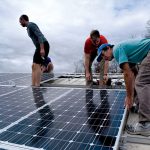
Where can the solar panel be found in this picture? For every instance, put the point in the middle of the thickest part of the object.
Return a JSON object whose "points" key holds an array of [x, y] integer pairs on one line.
{"points": [[4, 90], [62, 118], [21, 79], [18, 104], [10, 76]]}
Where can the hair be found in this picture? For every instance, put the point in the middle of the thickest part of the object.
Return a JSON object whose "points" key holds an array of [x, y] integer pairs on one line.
{"points": [[105, 48], [95, 33], [25, 17]]}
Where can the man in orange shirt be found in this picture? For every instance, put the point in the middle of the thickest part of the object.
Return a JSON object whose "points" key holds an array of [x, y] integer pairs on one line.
{"points": [[90, 53]]}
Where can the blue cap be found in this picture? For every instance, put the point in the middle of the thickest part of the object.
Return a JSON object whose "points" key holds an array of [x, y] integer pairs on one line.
{"points": [[99, 51]]}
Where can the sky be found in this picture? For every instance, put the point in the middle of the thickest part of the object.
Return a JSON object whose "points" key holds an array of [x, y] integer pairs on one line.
{"points": [[66, 24]]}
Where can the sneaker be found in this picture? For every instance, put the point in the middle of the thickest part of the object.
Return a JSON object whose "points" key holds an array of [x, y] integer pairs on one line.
{"points": [[134, 109], [139, 129]]}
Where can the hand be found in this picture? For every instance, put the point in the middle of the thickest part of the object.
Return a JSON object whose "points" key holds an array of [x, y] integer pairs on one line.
{"points": [[88, 76], [105, 79], [128, 102], [101, 82], [43, 68], [42, 52]]}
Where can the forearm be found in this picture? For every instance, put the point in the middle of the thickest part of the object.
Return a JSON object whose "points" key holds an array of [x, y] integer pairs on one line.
{"points": [[87, 63], [129, 82], [106, 66]]}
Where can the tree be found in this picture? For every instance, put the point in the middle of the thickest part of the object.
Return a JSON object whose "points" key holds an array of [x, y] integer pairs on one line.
{"points": [[79, 67]]}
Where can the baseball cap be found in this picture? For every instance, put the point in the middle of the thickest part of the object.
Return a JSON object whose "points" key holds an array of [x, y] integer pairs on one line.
{"points": [[99, 51]]}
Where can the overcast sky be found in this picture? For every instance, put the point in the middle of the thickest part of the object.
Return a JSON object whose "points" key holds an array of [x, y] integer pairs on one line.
{"points": [[66, 24]]}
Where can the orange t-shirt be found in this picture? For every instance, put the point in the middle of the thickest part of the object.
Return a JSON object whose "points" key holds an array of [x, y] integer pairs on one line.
{"points": [[90, 48]]}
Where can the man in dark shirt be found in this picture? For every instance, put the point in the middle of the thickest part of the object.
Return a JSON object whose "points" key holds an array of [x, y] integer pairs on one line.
{"points": [[42, 48]]}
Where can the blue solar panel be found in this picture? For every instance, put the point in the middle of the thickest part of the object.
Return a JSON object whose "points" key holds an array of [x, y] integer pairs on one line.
{"points": [[21, 79], [20, 103], [59, 118], [9, 89]]}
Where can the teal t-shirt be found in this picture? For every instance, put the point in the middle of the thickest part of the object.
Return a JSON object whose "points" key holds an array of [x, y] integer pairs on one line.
{"points": [[133, 51]]}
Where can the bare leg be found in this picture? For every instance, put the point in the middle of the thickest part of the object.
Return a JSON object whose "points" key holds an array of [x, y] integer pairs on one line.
{"points": [[38, 74], [33, 74]]}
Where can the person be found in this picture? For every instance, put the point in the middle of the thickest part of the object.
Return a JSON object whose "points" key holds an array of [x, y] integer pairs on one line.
{"points": [[42, 48], [128, 54], [90, 52], [48, 66]]}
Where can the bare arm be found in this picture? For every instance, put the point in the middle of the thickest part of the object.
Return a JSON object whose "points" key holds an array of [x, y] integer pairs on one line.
{"points": [[106, 66], [129, 82], [103, 72], [87, 66]]}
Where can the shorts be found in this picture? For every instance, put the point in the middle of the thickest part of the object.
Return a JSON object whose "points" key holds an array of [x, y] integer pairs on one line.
{"points": [[37, 56]]}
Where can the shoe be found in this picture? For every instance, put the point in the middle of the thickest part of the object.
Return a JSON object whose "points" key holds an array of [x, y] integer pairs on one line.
{"points": [[134, 109], [139, 129]]}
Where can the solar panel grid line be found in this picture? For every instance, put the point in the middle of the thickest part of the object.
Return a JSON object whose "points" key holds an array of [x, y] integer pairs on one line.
{"points": [[81, 127], [110, 109], [15, 78], [61, 129], [27, 138], [18, 82], [64, 141], [56, 118], [18, 86], [102, 125], [112, 106], [12, 92], [22, 118], [11, 146], [4, 85], [15, 106]]}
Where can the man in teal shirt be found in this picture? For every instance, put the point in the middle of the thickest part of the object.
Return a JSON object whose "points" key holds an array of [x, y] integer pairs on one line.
{"points": [[128, 54]]}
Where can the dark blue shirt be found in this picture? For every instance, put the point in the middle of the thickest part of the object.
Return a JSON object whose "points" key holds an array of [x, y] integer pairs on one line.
{"points": [[47, 61], [35, 34]]}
